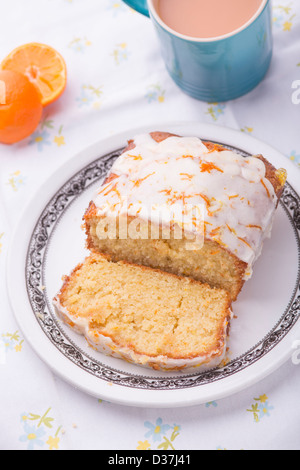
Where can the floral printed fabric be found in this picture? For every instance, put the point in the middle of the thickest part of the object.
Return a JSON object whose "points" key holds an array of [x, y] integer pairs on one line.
{"points": [[117, 80]]}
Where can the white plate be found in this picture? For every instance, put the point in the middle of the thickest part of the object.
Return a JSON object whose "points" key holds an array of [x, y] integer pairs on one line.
{"points": [[49, 242]]}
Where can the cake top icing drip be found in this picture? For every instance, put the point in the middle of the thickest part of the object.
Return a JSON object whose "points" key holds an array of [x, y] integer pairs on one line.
{"points": [[181, 174]]}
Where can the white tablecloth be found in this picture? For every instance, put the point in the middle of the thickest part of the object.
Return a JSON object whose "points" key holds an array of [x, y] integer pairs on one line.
{"points": [[117, 81]]}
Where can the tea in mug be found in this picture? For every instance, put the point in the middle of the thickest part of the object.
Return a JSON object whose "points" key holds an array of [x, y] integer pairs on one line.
{"points": [[207, 18]]}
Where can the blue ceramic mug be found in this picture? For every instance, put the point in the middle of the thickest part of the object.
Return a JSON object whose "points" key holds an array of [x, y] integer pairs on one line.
{"points": [[215, 69]]}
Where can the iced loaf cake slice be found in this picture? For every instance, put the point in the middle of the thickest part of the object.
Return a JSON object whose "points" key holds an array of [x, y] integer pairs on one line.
{"points": [[145, 316], [161, 180]]}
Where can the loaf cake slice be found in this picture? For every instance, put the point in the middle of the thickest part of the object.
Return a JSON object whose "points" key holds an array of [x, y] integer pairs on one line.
{"points": [[145, 316], [159, 181]]}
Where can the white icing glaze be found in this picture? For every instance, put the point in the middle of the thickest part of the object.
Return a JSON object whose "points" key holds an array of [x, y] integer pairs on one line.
{"points": [[107, 346], [237, 200]]}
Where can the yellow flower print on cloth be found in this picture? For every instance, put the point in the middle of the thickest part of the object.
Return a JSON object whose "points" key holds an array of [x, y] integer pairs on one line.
{"points": [[10, 342], [120, 53], [295, 157], [283, 16], [143, 445], [47, 134], [215, 110], [36, 431], [59, 139], [90, 96], [16, 180], [155, 93], [162, 435], [116, 7], [261, 408], [247, 129], [80, 45]]}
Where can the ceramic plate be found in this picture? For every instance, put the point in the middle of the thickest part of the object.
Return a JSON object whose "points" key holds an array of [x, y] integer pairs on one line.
{"points": [[49, 242]]}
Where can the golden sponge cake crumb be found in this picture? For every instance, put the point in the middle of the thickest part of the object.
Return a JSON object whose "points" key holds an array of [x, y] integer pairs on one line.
{"points": [[146, 316]]}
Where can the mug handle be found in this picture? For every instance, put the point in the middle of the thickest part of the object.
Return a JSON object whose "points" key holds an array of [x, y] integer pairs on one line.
{"points": [[138, 5]]}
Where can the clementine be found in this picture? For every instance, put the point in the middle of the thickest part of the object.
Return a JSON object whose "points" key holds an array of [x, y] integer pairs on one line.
{"points": [[20, 107], [44, 67]]}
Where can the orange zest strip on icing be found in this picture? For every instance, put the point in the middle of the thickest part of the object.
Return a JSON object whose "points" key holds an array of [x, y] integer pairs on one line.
{"points": [[179, 197], [207, 202], [231, 229], [209, 166], [139, 181], [244, 241], [217, 210], [264, 185], [194, 220], [166, 191], [135, 157], [187, 176], [206, 199], [105, 187], [186, 156], [233, 197], [117, 192], [175, 196], [254, 226], [215, 231], [113, 188]]}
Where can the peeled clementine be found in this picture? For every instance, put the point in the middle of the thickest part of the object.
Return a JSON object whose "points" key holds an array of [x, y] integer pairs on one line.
{"points": [[44, 67], [20, 107]]}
